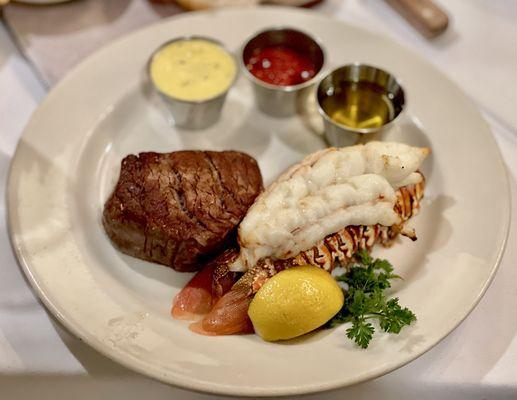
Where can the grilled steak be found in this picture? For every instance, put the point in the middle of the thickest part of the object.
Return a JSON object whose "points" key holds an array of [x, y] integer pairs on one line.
{"points": [[178, 208]]}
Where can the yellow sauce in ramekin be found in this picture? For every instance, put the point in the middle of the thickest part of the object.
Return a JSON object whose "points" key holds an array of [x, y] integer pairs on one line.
{"points": [[192, 69]]}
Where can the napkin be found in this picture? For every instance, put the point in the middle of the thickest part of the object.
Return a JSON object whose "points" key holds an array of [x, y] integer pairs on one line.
{"points": [[56, 37]]}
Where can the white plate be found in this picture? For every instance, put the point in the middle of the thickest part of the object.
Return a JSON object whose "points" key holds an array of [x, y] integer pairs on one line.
{"points": [[68, 160]]}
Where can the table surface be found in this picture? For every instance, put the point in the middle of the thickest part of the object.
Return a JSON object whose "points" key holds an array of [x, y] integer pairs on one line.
{"points": [[477, 361]]}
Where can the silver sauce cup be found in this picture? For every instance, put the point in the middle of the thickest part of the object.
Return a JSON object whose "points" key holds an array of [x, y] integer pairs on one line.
{"points": [[192, 114], [276, 100], [340, 135]]}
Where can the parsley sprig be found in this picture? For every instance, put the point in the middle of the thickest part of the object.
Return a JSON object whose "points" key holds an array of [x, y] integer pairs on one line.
{"points": [[365, 300]]}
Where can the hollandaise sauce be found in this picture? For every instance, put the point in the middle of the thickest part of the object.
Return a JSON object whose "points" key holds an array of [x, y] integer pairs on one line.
{"points": [[193, 69]]}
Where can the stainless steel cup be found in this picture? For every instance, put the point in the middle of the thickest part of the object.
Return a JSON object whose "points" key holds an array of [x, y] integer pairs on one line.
{"points": [[189, 114], [342, 135], [275, 100]]}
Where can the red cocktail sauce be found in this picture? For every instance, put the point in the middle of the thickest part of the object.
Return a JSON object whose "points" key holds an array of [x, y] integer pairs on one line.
{"points": [[281, 66]]}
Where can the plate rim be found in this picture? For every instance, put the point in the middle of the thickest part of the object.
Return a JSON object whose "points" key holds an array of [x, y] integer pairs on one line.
{"points": [[196, 384]]}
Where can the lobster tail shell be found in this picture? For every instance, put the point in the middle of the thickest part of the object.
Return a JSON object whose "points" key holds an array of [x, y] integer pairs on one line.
{"points": [[203, 291]]}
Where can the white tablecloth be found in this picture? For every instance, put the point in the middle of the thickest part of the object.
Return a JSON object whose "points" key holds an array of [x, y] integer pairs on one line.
{"points": [[40, 360]]}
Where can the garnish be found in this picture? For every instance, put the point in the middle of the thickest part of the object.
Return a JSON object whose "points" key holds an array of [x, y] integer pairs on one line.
{"points": [[365, 300]]}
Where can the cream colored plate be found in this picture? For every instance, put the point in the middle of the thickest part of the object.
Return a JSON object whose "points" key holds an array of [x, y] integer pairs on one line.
{"points": [[68, 160]]}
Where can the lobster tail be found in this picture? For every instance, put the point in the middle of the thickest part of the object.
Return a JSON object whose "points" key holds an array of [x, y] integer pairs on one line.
{"points": [[230, 313]]}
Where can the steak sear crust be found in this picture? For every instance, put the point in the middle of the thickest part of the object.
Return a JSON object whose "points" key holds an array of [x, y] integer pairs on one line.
{"points": [[180, 208]]}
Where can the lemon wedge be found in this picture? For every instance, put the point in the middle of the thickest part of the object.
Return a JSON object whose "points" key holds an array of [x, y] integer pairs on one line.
{"points": [[294, 302]]}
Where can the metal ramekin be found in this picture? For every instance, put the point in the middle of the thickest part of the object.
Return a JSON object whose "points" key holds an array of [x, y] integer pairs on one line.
{"points": [[341, 135], [192, 114], [282, 101]]}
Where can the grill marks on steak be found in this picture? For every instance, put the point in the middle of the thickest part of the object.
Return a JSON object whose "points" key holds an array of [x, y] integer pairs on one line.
{"points": [[177, 208]]}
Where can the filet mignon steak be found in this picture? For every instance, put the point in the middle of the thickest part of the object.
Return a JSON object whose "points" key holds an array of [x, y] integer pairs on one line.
{"points": [[179, 208]]}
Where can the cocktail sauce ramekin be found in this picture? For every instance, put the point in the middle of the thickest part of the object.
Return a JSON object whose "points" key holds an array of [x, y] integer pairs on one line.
{"points": [[276, 100]]}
